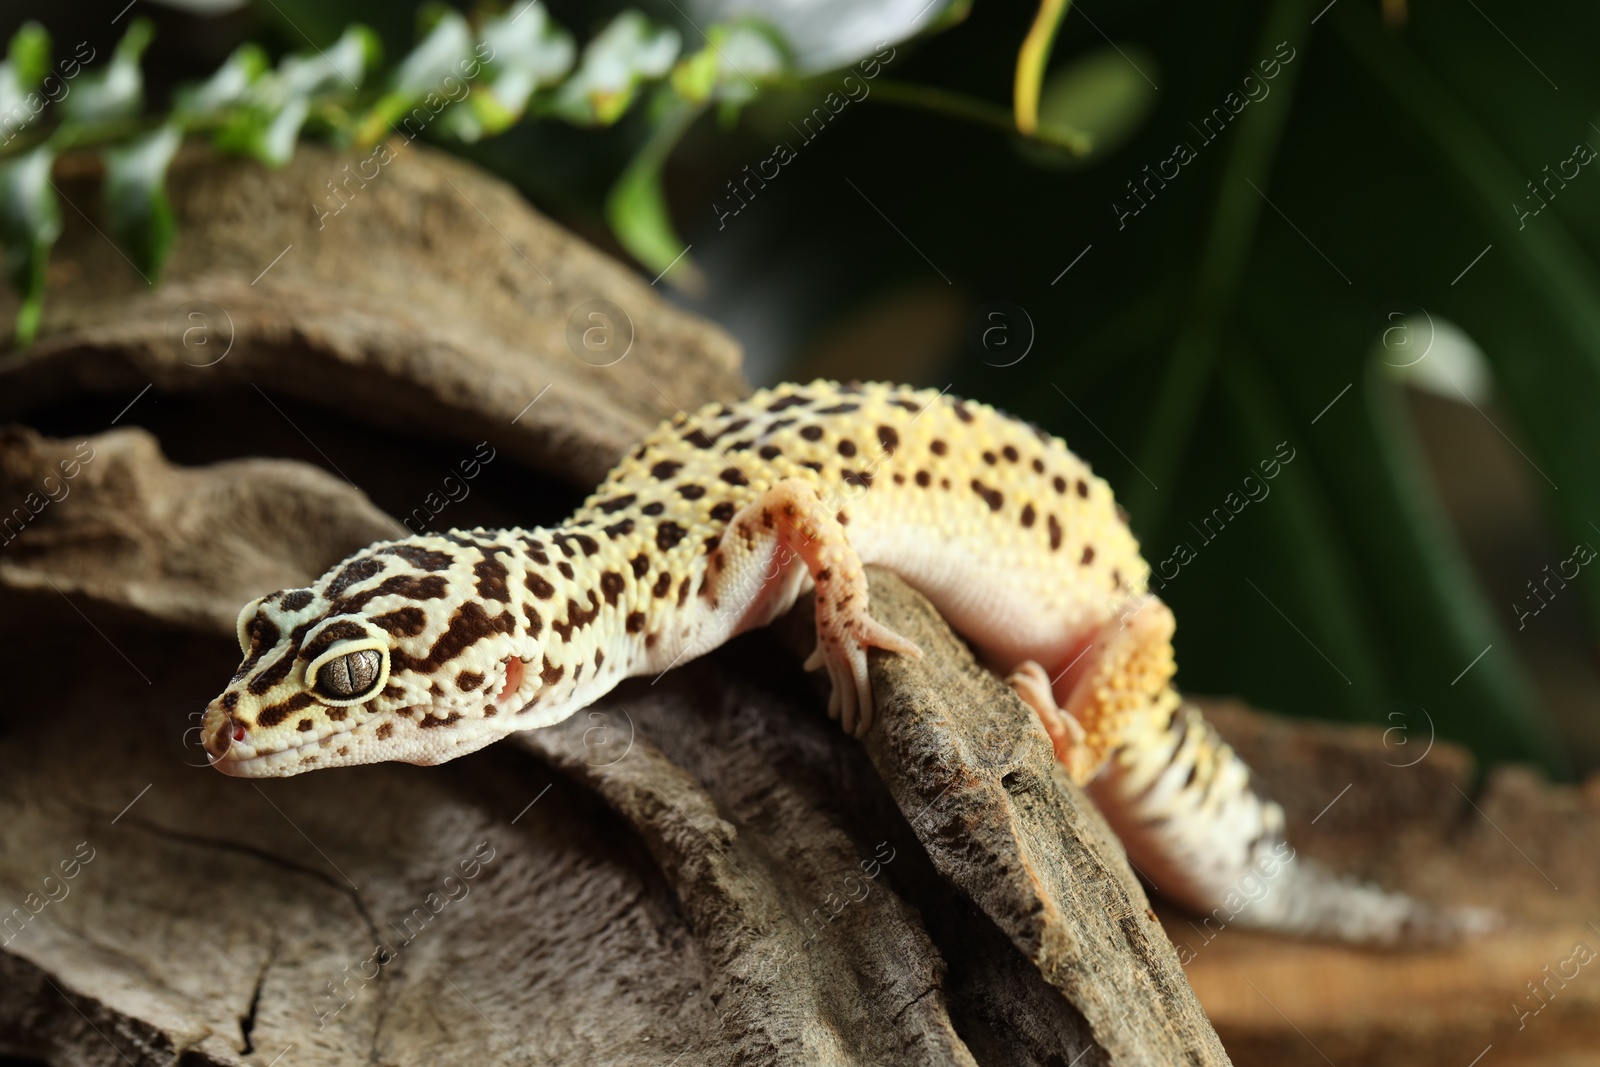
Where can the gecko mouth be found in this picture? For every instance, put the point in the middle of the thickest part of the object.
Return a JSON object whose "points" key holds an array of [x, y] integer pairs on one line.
{"points": [[241, 760]]}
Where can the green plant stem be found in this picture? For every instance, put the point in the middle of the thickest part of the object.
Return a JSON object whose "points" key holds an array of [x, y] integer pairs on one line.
{"points": [[1032, 58], [951, 105]]}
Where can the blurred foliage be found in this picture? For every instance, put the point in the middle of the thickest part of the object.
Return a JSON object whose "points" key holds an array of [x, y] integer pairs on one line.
{"points": [[1222, 213]]}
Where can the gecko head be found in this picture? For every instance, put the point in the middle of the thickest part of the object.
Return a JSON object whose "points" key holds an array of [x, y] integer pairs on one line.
{"points": [[406, 651]]}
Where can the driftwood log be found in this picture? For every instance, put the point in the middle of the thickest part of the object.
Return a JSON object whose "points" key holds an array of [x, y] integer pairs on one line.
{"points": [[701, 869]]}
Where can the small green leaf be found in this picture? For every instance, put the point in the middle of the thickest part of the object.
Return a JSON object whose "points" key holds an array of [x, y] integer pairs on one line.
{"points": [[27, 60], [737, 58], [276, 105], [637, 209], [136, 197], [524, 52], [30, 222], [438, 68], [117, 90], [1102, 96], [527, 52], [629, 50], [228, 85]]}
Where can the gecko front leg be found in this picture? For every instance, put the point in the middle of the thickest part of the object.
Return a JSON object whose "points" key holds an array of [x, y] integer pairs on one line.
{"points": [[753, 567]]}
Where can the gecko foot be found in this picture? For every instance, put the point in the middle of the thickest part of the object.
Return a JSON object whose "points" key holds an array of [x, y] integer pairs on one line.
{"points": [[842, 642], [1031, 682]]}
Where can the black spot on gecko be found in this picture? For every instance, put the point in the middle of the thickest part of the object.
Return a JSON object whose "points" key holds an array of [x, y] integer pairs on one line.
{"points": [[421, 558], [551, 673], [861, 478], [668, 534], [306, 726], [847, 447], [663, 584], [635, 622], [469, 625], [428, 587], [617, 503], [1055, 533], [770, 452], [938, 447], [406, 622], [699, 439], [295, 600], [619, 529], [1087, 557], [1083, 488], [990, 458], [277, 713], [723, 512], [359, 571], [1010, 453], [794, 400], [612, 585], [1028, 515], [691, 491], [992, 497], [1060, 483], [535, 622], [1038, 466], [641, 565], [539, 586], [577, 618], [665, 469], [428, 722], [655, 508], [901, 402], [888, 439], [467, 681], [565, 568], [683, 592], [813, 465], [811, 433], [491, 575], [337, 714], [839, 409], [924, 479], [734, 476], [331, 635], [961, 411]]}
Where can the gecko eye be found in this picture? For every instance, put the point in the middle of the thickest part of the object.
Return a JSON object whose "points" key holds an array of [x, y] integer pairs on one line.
{"points": [[351, 676], [350, 672]]}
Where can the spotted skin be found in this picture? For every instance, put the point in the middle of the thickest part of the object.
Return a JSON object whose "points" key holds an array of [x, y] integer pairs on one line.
{"points": [[428, 648]]}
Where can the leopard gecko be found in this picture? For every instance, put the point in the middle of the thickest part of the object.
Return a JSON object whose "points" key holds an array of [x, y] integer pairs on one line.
{"points": [[427, 648]]}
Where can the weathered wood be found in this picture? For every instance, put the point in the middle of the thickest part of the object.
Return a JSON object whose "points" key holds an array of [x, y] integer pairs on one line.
{"points": [[702, 869]]}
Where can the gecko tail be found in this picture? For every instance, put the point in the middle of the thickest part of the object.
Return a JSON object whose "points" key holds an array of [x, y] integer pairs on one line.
{"points": [[1307, 899]]}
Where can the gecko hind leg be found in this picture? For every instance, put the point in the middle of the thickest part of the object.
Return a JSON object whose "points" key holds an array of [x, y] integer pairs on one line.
{"points": [[787, 521]]}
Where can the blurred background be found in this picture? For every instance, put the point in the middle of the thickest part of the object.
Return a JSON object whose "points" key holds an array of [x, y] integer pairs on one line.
{"points": [[1312, 284]]}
